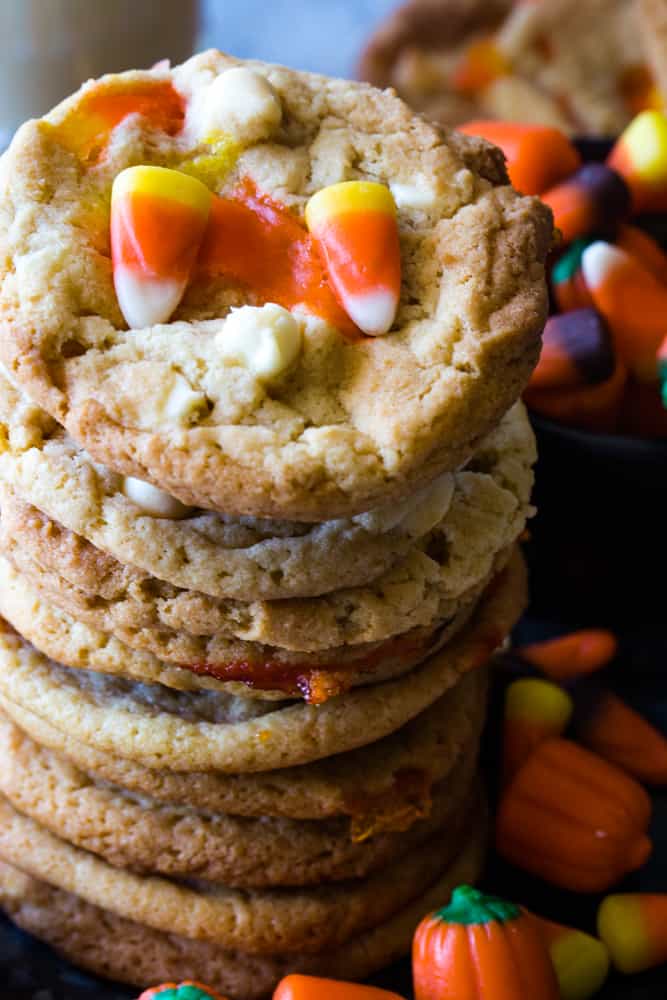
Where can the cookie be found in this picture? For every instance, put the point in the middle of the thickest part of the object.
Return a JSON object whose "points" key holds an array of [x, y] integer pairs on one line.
{"points": [[238, 558], [350, 421], [580, 67], [265, 672], [149, 837], [487, 512], [126, 951], [265, 922], [193, 731], [386, 785], [653, 26]]}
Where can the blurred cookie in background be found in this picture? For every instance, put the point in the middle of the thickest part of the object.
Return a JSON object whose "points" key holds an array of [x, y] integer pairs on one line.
{"points": [[579, 65]]}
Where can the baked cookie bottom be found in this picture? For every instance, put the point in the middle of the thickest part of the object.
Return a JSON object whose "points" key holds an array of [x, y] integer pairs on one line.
{"points": [[123, 950]]}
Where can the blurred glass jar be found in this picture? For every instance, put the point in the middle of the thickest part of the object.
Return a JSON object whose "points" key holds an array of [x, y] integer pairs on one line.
{"points": [[49, 47]]}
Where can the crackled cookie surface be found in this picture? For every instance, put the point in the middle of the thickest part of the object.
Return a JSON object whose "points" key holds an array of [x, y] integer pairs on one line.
{"points": [[581, 67], [345, 301]]}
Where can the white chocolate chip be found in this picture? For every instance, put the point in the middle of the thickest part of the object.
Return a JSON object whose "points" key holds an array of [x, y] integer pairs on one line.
{"points": [[415, 196], [416, 515], [147, 394], [432, 505], [153, 501], [241, 103], [266, 340]]}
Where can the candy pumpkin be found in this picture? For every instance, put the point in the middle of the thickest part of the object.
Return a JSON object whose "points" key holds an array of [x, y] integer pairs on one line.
{"points": [[188, 990], [480, 948], [573, 819]]}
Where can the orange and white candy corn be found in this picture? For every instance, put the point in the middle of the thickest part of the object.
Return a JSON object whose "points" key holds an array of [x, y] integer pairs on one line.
{"points": [[640, 157], [633, 302], [355, 225], [158, 219]]}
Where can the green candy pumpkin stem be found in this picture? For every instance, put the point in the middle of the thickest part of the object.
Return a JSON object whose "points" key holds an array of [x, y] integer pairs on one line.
{"points": [[470, 906]]}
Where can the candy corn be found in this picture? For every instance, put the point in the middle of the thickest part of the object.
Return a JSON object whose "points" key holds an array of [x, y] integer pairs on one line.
{"points": [[158, 220], [535, 710], [573, 819], [576, 350], [581, 961], [634, 928], [640, 157], [188, 990], [633, 302], [355, 225], [571, 655], [537, 156], [567, 282], [619, 734], [644, 248], [481, 63], [592, 407], [594, 199], [311, 988]]}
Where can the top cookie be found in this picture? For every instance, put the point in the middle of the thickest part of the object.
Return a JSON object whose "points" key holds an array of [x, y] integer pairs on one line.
{"points": [[290, 410], [578, 65]]}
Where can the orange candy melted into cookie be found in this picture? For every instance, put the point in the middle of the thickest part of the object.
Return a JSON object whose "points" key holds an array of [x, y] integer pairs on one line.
{"points": [[86, 131], [255, 242]]}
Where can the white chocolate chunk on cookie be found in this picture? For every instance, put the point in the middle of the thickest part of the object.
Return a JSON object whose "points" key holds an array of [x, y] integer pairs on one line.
{"points": [[153, 501], [416, 515], [432, 504], [266, 340], [241, 103], [417, 195]]}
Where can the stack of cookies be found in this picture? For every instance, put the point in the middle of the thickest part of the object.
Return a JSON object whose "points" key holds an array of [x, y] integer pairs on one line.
{"points": [[262, 476]]}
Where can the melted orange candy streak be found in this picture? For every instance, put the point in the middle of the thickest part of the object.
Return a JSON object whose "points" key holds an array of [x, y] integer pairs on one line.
{"points": [[86, 131], [255, 242]]}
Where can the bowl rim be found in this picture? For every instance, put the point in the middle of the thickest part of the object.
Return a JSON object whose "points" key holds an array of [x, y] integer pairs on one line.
{"points": [[649, 447]]}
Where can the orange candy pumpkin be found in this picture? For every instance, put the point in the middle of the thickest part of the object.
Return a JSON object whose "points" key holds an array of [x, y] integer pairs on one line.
{"points": [[573, 819], [480, 948]]}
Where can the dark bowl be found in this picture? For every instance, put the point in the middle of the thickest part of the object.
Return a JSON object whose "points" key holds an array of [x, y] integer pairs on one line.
{"points": [[599, 542]]}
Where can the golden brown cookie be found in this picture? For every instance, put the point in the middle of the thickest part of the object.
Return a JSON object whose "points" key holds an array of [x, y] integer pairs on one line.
{"points": [[193, 731], [264, 922], [386, 785], [149, 837], [355, 421], [126, 951], [441, 573]]}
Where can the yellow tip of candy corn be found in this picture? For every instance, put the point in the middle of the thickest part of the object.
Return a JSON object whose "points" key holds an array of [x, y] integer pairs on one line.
{"points": [[535, 698], [348, 196], [158, 218], [645, 141], [623, 927], [162, 182], [581, 963]]}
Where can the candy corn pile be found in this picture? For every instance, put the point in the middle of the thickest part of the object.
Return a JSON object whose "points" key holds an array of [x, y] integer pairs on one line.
{"points": [[605, 344]]}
